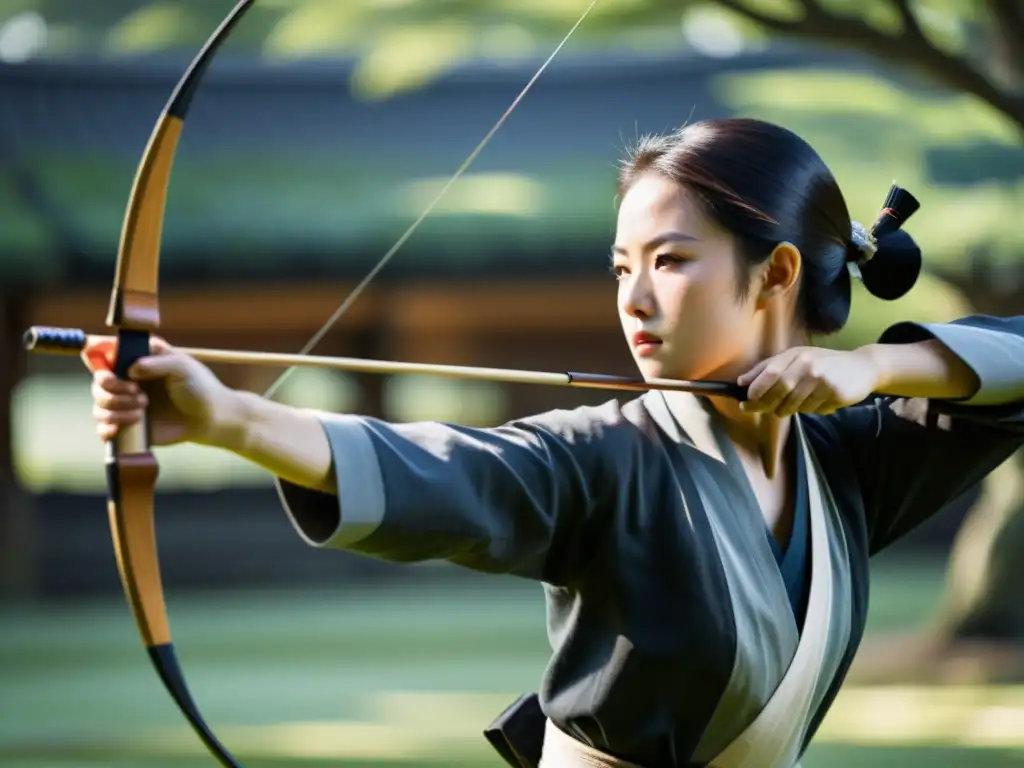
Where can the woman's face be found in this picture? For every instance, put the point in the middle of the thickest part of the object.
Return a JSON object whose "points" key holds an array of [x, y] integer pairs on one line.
{"points": [[678, 298]]}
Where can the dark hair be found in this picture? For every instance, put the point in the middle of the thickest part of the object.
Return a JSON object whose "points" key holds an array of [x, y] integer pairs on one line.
{"points": [[766, 185]]}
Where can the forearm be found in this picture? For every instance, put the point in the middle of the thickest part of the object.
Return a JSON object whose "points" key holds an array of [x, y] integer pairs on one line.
{"points": [[925, 369], [288, 442]]}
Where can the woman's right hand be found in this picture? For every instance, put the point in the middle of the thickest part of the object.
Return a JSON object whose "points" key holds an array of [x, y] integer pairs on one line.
{"points": [[186, 402]]}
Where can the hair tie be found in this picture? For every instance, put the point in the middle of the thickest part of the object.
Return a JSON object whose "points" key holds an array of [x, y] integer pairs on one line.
{"points": [[862, 247], [865, 244]]}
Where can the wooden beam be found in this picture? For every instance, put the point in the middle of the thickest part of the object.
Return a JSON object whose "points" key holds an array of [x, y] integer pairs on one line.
{"points": [[509, 305], [448, 307], [251, 309]]}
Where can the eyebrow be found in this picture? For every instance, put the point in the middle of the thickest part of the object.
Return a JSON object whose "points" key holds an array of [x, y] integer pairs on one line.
{"points": [[664, 237]]}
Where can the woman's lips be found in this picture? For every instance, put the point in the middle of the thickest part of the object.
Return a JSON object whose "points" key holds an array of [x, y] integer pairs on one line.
{"points": [[645, 343]]}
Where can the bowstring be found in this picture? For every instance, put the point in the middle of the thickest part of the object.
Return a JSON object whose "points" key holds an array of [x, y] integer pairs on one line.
{"points": [[350, 299]]}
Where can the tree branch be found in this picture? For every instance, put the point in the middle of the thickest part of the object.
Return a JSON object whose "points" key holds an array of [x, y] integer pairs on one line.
{"points": [[1008, 31], [911, 27], [908, 49]]}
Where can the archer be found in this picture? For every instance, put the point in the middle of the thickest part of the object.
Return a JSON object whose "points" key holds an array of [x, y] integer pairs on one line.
{"points": [[705, 562]]}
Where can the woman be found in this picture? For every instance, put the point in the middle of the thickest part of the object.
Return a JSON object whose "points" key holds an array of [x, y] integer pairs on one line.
{"points": [[705, 563]]}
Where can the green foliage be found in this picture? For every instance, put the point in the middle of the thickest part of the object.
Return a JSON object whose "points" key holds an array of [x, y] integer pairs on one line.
{"points": [[401, 44]]}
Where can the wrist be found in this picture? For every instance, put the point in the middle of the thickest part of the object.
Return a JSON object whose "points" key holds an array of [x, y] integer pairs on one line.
{"points": [[232, 421], [877, 358], [921, 369]]}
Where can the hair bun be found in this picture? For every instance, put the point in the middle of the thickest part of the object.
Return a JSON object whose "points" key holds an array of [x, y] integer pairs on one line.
{"points": [[888, 259]]}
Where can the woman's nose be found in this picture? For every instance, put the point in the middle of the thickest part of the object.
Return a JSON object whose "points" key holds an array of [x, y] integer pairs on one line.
{"points": [[638, 300]]}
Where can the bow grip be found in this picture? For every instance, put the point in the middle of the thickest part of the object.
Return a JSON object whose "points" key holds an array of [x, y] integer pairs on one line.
{"points": [[131, 346]]}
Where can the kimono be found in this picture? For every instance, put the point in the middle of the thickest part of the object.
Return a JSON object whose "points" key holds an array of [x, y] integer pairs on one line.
{"points": [[673, 615]]}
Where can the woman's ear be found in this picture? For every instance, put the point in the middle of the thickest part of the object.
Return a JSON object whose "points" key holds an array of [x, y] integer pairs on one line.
{"points": [[781, 272]]}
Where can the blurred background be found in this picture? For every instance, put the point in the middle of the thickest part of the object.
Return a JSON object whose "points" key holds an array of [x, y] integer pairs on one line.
{"points": [[322, 131]]}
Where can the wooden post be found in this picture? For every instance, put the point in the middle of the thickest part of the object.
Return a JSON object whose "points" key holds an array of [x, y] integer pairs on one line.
{"points": [[18, 560]]}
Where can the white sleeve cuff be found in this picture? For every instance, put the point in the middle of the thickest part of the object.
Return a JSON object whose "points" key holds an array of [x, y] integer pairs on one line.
{"points": [[996, 358], [337, 522]]}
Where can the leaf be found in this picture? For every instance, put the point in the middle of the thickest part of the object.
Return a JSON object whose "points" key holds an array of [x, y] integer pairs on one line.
{"points": [[403, 58], [313, 28], [150, 28]]}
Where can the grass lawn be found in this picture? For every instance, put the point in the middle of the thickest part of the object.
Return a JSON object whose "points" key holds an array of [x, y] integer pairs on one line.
{"points": [[396, 677]]}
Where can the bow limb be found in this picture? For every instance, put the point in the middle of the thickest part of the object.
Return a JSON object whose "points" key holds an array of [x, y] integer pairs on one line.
{"points": [[134, 314]]}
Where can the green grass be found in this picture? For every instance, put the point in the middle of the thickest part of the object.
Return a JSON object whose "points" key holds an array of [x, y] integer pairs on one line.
{"points": [[393, 677]]}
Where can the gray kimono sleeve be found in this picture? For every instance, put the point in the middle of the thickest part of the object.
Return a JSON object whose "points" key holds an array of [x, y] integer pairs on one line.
{"points": [[912, 458], [524, 498]]}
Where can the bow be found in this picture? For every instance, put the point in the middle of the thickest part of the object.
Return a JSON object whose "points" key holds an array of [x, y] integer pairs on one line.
{"points": [[134, 314]]}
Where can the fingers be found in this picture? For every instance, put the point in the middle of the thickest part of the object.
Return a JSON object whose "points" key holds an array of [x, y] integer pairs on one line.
{"points": [[820, 401], [753, 373], [786, 384], [164, 364], [774, 379], [797, 398], [158, 346], [116, 403], [109, 423], [110, 392], [108, 382]]}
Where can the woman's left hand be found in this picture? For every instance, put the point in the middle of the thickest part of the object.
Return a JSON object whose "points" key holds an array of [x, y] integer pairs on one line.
{"points": [[808, 380]]}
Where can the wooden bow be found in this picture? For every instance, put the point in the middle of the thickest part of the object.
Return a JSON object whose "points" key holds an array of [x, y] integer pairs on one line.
{"points": [[134, 315]]}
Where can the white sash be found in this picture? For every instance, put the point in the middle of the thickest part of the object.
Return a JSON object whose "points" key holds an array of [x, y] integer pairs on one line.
{"points": [[774, 738], [563, 751]]}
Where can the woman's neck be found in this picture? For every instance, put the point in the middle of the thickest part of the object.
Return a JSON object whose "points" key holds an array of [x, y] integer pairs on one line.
{"points": [[758, 434]]}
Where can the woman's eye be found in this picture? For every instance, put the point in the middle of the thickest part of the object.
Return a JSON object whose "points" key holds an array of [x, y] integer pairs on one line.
{"points": [[617, 271], [666, 260]]}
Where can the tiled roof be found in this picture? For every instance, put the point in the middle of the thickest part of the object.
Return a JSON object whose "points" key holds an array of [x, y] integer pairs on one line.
{"points": [[280, 169]]}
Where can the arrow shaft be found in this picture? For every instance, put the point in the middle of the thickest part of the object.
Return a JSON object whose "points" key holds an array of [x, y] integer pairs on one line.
{"points": [[63, 341]]}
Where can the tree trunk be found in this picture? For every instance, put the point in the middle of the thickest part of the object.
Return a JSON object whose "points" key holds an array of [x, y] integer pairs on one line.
{"points": [[17, 551], [985, 576]]}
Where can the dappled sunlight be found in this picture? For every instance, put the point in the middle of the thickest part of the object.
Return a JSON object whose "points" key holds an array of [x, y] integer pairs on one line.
{"points": [[56, 447], [406, 674], [151, 27], [931, 300], [833, 90], [431, 725], [317, 28], [404, 57], [872, 132], [508, 194], [433, 398], [968, 716]]}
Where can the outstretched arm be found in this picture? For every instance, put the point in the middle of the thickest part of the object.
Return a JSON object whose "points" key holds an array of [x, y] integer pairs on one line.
{"points": [[525, 498]]}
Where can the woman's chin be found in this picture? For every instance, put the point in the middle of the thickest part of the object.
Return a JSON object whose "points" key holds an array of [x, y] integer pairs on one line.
{"points": [[653, 369]]}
